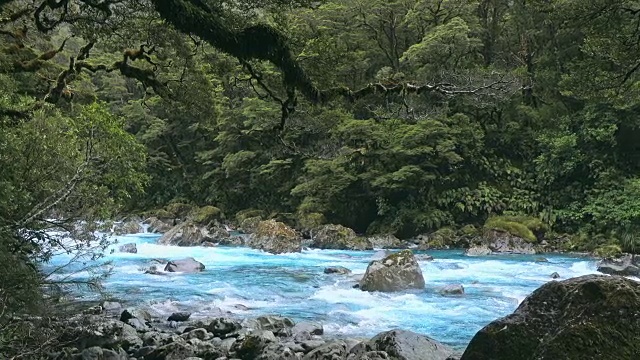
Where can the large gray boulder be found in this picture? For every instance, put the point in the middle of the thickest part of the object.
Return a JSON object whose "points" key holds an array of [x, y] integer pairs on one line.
{"points": [[396, 272], [186, 265], [407, 345], [338, 237], [478, 250], [592, 317], [187, 234], [626, 265], [275, 237]]}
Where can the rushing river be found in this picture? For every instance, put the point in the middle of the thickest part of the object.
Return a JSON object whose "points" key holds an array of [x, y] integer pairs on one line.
{"points": [[249, 282]]}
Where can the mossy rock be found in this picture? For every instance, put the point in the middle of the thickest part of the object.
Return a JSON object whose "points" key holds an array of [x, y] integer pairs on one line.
{"points": [[250, 225], [206, 215], [179, 210], [608, 251], [588, 317], [311, 221], [338, 237], [520, 226], [242, 215], [469, 230]]}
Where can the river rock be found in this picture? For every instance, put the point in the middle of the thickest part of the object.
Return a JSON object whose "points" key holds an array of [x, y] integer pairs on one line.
{"points": [[423, 257], [626, 265], [98, 353], [555, 275], [187, 234], [311, 328], [478, 250], [455, 289], [253, 344], [396, 272], [332, 350], [221, 327], [131, 313], [128, 248], [386, 242], [338, 237], [186, 265], [588, 317], [341, 270], [96, 330], [275, 237], [179, 316], [407, 345]]}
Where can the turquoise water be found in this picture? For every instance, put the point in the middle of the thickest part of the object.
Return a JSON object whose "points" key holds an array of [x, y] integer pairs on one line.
{"points": [[248, 282]]}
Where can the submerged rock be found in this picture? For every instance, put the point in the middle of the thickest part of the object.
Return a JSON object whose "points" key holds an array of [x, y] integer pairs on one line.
{"points": [[186, 234], [588, 317], [128, 248], [555, 275], [407, 345], [454, 289], [338, 237], [186, 265], [341, 270], [396, 272], [275, 237]]}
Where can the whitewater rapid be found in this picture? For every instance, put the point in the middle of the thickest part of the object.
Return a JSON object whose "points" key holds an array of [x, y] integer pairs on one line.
{"points": [[246, 282]]}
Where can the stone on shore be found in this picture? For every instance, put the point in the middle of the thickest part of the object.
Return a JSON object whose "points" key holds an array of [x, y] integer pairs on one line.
{"points": [[407, 345]]}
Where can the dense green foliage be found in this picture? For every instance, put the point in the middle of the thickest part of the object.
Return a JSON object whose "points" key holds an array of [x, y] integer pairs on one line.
{"points": [[384, 116], [539, 119]]}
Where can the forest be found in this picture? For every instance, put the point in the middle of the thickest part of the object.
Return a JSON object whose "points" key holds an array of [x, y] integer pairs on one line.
{"points": [[385, 116]]}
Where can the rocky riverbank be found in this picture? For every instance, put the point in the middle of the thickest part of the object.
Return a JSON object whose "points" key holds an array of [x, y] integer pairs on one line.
{"points": [[589, 317]]}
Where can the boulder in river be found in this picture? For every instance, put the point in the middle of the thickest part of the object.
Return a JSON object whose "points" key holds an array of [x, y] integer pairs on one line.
{"points": [[407, 345], [478, 250], [626, 265], [338, 237], [128, 248], [588, 317], [396, 272], [186, 265], [555, 275], [275, 237], [186, 234]]}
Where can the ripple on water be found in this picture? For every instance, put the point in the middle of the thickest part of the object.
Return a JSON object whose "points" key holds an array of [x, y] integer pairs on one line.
{"points": [[249, 282]]}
